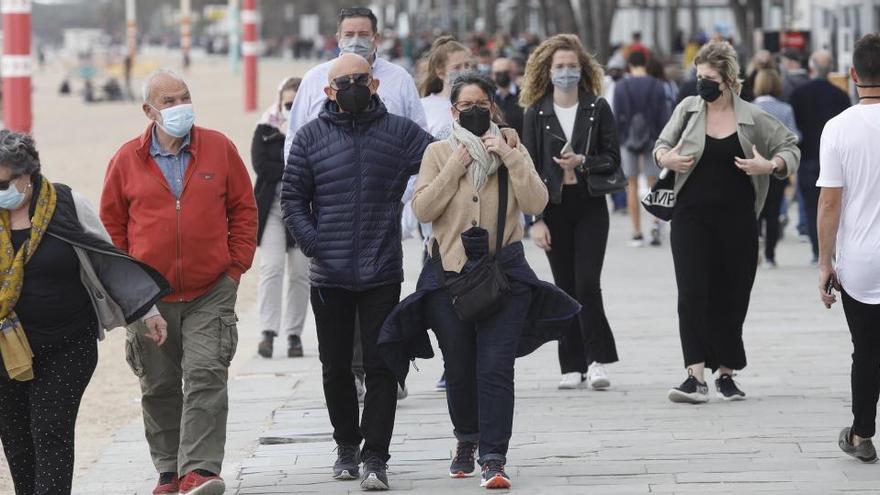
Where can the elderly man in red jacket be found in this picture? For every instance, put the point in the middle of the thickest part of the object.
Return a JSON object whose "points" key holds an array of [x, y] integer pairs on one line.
{"points": [[179, 198]]}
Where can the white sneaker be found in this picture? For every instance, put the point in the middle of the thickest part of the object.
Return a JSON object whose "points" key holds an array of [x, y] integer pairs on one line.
{"points": [[571, 381], [598, 377]]}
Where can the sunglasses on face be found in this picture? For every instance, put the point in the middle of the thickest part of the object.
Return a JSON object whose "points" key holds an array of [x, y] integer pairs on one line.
{"points": [[4, 184], [343, 83], [288, 105], [355, 12]]}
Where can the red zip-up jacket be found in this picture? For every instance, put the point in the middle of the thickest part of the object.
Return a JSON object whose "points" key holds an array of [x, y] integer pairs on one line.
{"points": [[209, 232]]}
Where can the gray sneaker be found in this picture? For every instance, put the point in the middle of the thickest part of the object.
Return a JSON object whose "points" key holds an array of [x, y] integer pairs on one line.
{"points": [[865, 452], [375, 475], [463, 463], [347, 462]]}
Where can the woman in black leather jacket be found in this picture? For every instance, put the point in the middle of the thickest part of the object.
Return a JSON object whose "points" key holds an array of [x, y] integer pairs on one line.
{"points": [[560, 93]]}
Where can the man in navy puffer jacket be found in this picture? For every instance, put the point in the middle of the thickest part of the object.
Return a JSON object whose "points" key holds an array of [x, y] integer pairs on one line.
{"points": [[344, 178]]}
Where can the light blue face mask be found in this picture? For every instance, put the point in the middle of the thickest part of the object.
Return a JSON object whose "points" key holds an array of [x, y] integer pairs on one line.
{"points": [[566, 78], [11, 198], [358, 45], [177, 121]]}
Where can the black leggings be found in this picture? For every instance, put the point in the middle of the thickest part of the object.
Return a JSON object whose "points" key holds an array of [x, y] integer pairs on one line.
{"points": [[770, 215], [864, 325], [578, 237], [716, 255], [37, 417]]}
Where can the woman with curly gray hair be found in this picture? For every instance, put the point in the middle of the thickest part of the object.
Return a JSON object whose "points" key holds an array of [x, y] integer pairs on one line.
{"points": [[62, 283]]}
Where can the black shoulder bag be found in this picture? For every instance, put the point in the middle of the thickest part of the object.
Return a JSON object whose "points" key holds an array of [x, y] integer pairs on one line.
{"points": [[603, 176], [480, 292]]}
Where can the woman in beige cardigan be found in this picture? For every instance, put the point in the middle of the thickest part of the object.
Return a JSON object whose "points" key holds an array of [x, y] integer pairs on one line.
{"points": [[723, 151], [457, 191]]}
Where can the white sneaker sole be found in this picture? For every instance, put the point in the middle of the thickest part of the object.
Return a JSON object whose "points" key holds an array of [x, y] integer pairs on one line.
{"points": [[733, 398], [373, 483], [462, 474], [345, 475], [600, 383], [568, 386], [680, 397], [213, 487]]}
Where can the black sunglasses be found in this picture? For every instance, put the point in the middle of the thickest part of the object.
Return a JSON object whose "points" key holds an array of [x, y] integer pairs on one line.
{"points": [[4, 184], [343, 83], [355, 12], [288, 105]]}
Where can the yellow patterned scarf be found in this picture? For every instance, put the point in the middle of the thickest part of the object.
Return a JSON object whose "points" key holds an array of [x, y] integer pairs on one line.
{"points": [[14, 347]]}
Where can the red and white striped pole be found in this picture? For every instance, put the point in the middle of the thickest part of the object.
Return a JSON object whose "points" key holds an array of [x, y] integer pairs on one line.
{"points": [[250, 49], [185, 12], [16, 64]]}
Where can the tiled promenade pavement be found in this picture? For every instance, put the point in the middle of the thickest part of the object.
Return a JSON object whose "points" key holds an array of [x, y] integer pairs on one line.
{"points": [[628, 440]]}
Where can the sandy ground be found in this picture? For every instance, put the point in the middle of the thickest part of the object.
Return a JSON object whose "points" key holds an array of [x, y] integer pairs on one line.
{"points": [[75, 141]]}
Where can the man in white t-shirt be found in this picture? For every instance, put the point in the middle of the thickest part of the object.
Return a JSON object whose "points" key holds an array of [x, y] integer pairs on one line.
{"points": [[849, 238]]}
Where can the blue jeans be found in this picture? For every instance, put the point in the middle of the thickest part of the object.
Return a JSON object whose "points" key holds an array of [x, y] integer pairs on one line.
{"points": [[478, 359]]}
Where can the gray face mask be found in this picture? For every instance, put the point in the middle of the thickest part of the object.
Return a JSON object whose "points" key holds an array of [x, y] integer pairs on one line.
{"points": [[566, 78], [358, 45]]}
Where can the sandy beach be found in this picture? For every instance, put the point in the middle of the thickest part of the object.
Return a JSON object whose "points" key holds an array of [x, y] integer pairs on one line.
{"points": [[76, 140]]}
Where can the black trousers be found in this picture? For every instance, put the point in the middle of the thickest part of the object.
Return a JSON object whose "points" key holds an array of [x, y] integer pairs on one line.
{"points": [[578, 235], [715, 255], [335, 312], [37, 417], [864, 326], [770, 216], [808, 174], [478, 359]]}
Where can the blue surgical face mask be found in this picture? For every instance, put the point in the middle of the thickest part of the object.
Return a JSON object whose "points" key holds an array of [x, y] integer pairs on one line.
{"points": [[177, 121], [358, 45], [11, 198], [566, 78]]}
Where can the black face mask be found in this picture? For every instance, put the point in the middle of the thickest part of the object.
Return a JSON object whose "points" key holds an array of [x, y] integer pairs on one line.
{"points": [[502, 79], [476, 120], [354, 99], [708, 89]]}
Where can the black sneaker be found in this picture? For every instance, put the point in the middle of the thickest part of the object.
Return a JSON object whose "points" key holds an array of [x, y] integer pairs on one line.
{"points": [[637, 240], [463, 463], [294, 346], [348, 459], [690, 392], [265, 348], [727, 389], [493, 475], [865, 452], [375, 475]]}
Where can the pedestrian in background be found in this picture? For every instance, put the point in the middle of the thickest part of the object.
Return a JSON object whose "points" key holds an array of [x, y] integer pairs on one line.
{"points": [[507, 95], [341, 198], [849, 239], [794, 74], [815, 103], [767, 89], [284, 269], [179, 198], [62, 285], [561, 93], [716, 145], [641, 109]]}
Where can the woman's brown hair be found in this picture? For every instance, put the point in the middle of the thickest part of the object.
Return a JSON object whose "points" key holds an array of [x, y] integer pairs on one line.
{"points": [[768, 82], [536, 82], [291, 83], [438, 56], [721, 56]]}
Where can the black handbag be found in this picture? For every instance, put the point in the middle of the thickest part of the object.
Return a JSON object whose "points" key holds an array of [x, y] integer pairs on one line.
{"points": [[660, 202], [480, 292], [603, 176]]}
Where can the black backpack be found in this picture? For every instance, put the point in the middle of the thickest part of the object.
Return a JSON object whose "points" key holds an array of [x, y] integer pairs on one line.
{"points": [[640, 136]]}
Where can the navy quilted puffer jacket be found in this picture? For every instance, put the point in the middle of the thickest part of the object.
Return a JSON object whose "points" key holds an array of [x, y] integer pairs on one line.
{"points": [[341, 191]]}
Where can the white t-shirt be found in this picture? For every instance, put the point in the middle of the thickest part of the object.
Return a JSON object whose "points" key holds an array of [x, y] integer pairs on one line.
{"points": [[849, 159], [438, 112], [566, 117]]}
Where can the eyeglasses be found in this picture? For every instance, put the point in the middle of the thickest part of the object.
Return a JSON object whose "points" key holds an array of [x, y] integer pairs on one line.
{"points": [[343, 83], [464, 106], [4, 185], [288, 105]]}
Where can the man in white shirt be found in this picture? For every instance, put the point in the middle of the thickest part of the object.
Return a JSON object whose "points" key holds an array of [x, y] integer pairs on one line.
{"points": [[849, 238], [357, 33]]}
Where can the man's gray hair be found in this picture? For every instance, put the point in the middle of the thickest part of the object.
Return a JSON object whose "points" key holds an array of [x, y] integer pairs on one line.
{"points": [[148, 82], [19, 153], [822, 63]]}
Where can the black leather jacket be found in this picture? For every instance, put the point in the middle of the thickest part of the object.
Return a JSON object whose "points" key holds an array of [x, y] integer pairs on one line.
{"points": [[544, 138]]}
